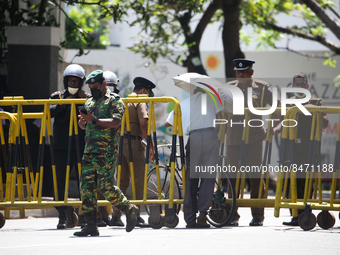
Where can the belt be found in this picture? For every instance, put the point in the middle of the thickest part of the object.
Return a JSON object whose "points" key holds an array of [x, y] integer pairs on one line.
{"points": [[133, 137], [201, 129]]}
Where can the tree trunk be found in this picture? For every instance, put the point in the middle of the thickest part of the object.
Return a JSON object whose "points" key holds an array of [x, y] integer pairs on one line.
{"points": [[193, 62], [13, 12], [230, 35]]}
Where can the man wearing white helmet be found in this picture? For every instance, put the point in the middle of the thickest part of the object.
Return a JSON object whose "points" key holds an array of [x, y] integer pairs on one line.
{"points": [[74, 76], [111, 81]]}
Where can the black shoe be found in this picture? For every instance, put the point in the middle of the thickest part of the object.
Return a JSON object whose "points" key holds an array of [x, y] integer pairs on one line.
{"points": [[233, 223], [256, 222], [101, 223], [141, 223], [202, 222], [131, 217], [62, 224], [293, 222], [91, 226], [191, 224], [107, 221], [116, 221], [82, 221]]}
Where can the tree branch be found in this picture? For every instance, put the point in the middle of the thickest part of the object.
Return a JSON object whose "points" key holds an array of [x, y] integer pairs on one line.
{"points": [[320, 39], [324, 17], [77, 27], [304, 54], [334, 12], [206, 18]]}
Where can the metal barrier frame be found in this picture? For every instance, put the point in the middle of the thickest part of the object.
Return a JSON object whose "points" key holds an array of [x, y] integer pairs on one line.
{"points": [[18, 124], [318, 204]]}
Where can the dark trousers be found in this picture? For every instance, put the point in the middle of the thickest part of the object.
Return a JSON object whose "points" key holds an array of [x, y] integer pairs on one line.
{"points": [[202, 149], [60, 159], [254, 158], [138, 156]]}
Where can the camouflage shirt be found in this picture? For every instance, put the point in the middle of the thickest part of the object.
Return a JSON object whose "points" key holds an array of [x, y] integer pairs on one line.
{"points": [[97, 138]]}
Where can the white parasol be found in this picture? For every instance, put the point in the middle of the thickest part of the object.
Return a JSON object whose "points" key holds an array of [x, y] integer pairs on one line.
{"points": [[189, 81]]}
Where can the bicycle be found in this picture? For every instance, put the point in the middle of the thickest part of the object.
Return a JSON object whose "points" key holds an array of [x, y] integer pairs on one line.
{"points": [[223, 204]]}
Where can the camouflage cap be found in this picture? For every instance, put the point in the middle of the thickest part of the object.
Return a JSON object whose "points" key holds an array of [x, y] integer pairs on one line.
{"points": [[95, 76]]}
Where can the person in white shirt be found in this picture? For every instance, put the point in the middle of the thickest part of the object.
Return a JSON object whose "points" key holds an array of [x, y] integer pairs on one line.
{"points": [[202, 150]]}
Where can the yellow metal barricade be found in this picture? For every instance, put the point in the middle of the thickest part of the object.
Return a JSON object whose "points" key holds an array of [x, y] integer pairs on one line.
{"points": [[34, 200], [13, 178], [307, 220], [156, 219], [241, 175]]}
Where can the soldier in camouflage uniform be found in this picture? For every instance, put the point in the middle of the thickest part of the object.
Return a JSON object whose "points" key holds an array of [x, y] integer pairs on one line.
{"points": [[104, 113]]}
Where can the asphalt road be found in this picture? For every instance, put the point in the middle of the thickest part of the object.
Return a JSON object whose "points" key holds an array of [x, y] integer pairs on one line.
{"points": [[39, 236]]}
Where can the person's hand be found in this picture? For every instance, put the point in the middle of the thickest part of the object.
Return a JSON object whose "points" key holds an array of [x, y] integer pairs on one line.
{"points": [[151, 155], [82, 120], [87, 117], [81, 93], [144, 144]]}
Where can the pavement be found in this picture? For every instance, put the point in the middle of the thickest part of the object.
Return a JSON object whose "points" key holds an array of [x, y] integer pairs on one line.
{"points": [[35, 235]]}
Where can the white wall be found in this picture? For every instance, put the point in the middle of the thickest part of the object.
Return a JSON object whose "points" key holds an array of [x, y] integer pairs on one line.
{"points": [[277, 68]]}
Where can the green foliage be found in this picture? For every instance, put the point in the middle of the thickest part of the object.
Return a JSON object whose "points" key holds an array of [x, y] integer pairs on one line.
{"points": [[97, 30], [329, 61], [162, 34], [336, 82]]}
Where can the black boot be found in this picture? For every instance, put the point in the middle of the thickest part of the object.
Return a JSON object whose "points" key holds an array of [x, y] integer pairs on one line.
{"points": [[91, 226], [82, 221], [70, 217], [293, 222], [101, 223], [62, 217], [116, 221], [131, 212]]}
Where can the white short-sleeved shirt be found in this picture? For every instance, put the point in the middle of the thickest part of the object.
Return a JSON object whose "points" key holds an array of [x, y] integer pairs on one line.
{"points": [[192, 117]]}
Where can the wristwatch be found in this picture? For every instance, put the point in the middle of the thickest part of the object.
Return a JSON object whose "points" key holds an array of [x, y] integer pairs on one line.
{"points": [[94, 121]]}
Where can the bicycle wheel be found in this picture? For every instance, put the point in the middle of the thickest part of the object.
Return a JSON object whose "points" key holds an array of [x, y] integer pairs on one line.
{"points": [[223, 204], [152, 189]]}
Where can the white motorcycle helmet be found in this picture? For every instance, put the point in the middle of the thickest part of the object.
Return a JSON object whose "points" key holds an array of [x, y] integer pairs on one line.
{"points": [[111, 78], [74, 70]]}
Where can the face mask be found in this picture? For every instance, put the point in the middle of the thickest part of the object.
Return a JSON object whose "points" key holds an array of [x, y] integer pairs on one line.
{"points": [[72, 91], [299, 96], [114, 89], [96, 93]]}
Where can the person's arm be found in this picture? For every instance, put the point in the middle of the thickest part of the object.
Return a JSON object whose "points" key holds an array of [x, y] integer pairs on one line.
{"points": [[103, 122], [144, 127], [325, 121], [169, 121], [218, 116], [58, 110]]}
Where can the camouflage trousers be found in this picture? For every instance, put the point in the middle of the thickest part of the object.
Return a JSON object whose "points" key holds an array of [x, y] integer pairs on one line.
{"points": [[98, 172]]}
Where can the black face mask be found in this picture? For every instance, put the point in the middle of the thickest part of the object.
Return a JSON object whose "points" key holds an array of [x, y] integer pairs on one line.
{"points": [[96, 93], [115, 90]]}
